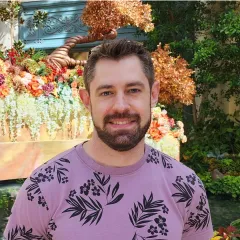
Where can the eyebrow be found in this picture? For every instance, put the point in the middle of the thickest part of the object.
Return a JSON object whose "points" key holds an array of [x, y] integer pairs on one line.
{"points": [[136, 83], [109, 86], [105, 86]]}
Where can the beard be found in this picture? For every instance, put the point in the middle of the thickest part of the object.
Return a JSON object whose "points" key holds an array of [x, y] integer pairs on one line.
{"points": [[122, 140]]}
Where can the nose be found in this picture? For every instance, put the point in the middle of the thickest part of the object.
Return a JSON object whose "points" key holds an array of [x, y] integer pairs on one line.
{"points": [[121, 103]]}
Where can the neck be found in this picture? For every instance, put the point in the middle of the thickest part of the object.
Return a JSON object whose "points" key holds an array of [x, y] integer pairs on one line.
{"points": [[105, 155]]}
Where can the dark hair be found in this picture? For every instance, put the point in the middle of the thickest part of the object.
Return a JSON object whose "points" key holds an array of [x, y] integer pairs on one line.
{"points": [[115, 50]]}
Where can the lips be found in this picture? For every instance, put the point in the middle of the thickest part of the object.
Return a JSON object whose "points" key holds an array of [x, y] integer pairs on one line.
{"points": [[121, 122]]}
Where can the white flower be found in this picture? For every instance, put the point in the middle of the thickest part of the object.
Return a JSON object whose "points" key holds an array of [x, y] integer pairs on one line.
{"points": [[25, 81], [39, 79], [164, 112], [28, 76], [180, 124]]}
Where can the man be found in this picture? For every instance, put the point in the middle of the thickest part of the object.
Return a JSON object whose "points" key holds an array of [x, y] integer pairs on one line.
{"points": [[113, 186]]}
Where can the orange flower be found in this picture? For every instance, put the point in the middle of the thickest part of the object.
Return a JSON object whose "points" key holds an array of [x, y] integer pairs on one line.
{"points": [[4, 91], [155, 124], [22, 74], [155, 134], [50, 77], [44, 78], [37, 93], [34, 88], [74, 84]]}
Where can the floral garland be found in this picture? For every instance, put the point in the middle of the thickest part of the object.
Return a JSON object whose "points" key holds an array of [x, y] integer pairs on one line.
{"points": [[32, 94]]}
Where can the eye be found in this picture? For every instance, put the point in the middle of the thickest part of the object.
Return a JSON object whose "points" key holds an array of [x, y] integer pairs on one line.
{"points": [[106, 93], [134, 90]]}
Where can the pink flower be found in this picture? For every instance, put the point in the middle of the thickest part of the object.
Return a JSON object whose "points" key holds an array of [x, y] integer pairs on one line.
{"points": [[171, 122], [61, 79]]}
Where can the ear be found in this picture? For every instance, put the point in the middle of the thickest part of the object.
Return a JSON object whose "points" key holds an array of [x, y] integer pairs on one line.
{"points": [[155, 93], [85, 97]]}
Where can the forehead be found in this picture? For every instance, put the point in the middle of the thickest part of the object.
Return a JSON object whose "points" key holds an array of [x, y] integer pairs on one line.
{"points": [[119, 72]]}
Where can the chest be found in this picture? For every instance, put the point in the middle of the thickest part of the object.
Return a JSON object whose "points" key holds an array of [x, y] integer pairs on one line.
{"points": [[108, 209]]}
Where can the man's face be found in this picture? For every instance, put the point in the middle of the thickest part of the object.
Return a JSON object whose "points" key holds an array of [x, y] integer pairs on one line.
{"points": [[120, 102]]}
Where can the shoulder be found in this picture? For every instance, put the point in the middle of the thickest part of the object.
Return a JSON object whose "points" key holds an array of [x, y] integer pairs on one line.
{"points": [[177, 176], [169, 164], [57, 167], [45, 182]]}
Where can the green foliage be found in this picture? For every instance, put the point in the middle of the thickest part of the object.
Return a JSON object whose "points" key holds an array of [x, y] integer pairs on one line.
{"points": [[229, 166], [10, 11], [228, 25], [7, 198], [43, 70], [39, 55], [212, 138], [2, 55], [39, 18], [19, 45], [236, 224], [226, 186]]}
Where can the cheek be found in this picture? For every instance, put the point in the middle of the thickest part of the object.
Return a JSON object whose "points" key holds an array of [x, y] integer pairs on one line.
{"points": [[100, 110]]}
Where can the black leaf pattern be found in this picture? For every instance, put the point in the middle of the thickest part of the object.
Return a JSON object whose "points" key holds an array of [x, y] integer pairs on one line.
{"points": [[64, 160], [106, 181], [108, 191], [35, 190], [115, 189], [201, 219], [142, 214], [81, 207], [166, 161], [20, 233], [101, 189], [88, 209], [116, 200], [185, 193]]}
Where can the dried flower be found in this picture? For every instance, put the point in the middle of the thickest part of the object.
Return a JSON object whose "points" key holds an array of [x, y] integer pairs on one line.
{"points": [[176, 84], [102, 16]]}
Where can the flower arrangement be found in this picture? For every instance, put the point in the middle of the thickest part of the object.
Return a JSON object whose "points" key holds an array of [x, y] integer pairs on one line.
{"points": [[228, 233], [163, 131], [33, 93]]}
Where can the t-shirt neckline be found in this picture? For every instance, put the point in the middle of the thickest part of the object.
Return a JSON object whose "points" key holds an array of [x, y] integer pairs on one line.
{"points": [[109, 170]]}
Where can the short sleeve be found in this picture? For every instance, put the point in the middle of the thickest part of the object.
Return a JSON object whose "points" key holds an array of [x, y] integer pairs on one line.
{"points": [[29, 215], [198, 223]]}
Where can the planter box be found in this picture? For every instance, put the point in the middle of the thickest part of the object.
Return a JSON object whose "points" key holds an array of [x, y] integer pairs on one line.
{"points": [[19, 159]]}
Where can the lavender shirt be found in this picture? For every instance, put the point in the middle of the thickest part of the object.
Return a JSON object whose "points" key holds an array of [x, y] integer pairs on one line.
{"points": [[72, 197]]}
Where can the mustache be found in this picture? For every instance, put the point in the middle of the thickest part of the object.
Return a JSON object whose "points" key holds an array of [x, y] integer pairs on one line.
{"points": [[108, 118]]}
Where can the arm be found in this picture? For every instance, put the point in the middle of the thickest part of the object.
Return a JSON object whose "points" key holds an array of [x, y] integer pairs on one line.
{"points": [[198, 224], [30, 214]]}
